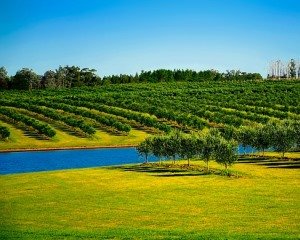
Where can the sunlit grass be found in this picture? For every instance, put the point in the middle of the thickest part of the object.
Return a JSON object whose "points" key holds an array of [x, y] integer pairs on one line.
{"points": [[120, 203]]}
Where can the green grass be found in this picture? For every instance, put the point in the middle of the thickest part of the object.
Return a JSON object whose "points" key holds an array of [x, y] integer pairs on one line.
{"points": [[18, 139], [134, 202]]}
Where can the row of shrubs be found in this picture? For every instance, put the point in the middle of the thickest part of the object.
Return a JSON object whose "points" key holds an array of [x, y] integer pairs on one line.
{"points": [[40, 127], [143, 119]]}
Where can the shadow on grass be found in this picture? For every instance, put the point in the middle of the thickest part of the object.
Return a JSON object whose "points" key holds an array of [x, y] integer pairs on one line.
{"points": [[166, 170], [272, 162]]}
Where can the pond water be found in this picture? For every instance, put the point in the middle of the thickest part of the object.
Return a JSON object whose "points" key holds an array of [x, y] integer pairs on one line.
{"points": [[35, 161]]}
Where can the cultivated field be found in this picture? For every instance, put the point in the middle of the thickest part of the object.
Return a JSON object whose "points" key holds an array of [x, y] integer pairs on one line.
{"points": [[124, 114]]}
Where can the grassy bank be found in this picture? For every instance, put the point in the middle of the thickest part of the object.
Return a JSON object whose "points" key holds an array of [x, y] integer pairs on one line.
{"points": [[150, 203], [20, 140]]}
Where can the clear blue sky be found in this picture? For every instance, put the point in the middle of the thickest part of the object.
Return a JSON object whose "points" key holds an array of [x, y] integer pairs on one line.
{"points": [[115, 36]]}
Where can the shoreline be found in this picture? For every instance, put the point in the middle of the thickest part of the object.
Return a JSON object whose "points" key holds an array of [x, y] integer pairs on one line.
{"points": [[63, 148]]}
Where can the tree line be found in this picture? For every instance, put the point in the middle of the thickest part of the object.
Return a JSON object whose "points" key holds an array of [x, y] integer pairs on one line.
{"points": [[282, 70], [191, 146], [221, 144], [164, 75], [281, 136], [73, 76]]}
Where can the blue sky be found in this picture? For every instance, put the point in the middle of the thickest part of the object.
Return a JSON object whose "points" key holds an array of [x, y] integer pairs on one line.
{"points": [[115, 36]]}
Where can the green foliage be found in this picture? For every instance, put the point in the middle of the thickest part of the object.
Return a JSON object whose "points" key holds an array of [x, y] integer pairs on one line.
{"points": [[283, 135], [239, 110], [144, 149], [188, 146], [4, 132], [51, 113], [262, 137], [246, 136], [164, 75], [209, 142], [39, 126], [226, 152], [25, 79], [4, 78], [73, 76]]}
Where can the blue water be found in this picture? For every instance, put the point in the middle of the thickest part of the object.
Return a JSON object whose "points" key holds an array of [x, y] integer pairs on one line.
{"points": [[35, 161]]}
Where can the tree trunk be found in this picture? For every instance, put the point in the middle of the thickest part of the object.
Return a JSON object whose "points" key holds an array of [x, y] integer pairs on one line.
{"points": [[207, 166], [188, 162]]}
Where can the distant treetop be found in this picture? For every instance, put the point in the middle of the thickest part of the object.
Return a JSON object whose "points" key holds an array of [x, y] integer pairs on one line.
{"points": [[73, 76]]}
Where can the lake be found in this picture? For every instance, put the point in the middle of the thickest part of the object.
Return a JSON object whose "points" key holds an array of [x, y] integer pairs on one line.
{"points": [[35, 161]]}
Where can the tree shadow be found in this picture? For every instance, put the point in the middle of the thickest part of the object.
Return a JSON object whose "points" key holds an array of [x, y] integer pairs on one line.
{"points": [[272, 162], [161, 170]]}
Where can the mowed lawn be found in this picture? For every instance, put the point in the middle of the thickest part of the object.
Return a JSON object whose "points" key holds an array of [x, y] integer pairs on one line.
{"points": [[136, 203]]}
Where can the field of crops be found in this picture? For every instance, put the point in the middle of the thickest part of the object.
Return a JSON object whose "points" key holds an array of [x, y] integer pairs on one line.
{"points": [[120, 110]]}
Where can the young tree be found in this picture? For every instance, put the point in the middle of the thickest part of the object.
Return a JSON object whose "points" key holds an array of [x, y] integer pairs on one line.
{"points": [[172, 144], [145, 148], [226, 152], [263, 138], [295, 125], [245, 136], [158, 148], [209, 141], [188, 147], [283, 137]]}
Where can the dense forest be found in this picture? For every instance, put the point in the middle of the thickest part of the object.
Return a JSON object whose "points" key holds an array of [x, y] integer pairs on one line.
{"points": [[73, 76]]}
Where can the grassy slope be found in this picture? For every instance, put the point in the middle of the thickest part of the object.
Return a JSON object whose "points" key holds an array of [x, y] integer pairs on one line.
{"points": [[18, 140], [113, 203]]}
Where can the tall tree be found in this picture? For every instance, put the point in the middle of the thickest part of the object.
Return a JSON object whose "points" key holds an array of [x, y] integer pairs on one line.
{"points": [[4, 78], [292, 69], [49, 80], [25, 79]]}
